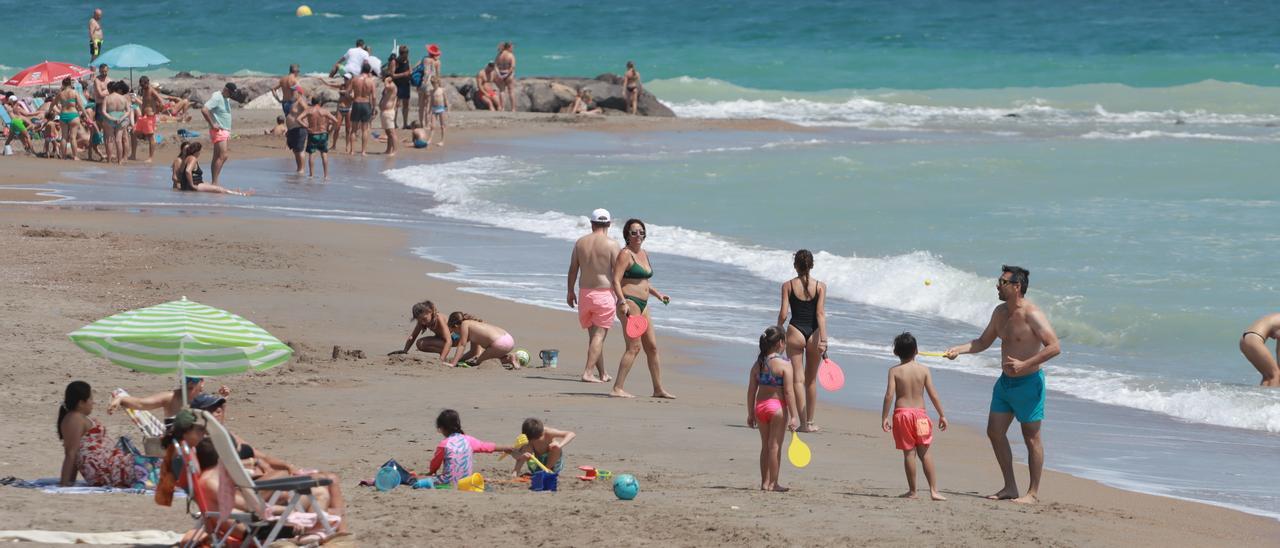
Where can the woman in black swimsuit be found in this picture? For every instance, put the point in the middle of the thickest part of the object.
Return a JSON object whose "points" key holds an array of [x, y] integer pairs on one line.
{"points": [[804, 300], [191, 178], [632, 271]]}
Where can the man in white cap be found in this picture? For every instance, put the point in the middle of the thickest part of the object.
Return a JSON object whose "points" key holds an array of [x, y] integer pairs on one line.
{"points": [[593, 257]]}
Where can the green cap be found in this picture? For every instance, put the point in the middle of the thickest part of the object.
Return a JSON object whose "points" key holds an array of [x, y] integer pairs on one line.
{"points": [[184, 420]]}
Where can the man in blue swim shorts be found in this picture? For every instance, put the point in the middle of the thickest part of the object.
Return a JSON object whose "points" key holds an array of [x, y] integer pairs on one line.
{"points": [[1027, 341]]}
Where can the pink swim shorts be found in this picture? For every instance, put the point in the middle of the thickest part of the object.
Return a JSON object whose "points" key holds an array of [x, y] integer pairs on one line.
{"points": [[596, 307], [911, 427], [219, 135]]}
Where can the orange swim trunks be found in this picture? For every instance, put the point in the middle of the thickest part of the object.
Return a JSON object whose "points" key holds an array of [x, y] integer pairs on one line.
{"points": [[911, 427], [596, 307]]}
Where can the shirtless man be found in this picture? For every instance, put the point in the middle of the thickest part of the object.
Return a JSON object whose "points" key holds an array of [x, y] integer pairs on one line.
{"points": [[505, 63], [484, 88], [387, 112], [362, 89], [319, 122], [98, 91], [1253, 344], [295, 134], [287, 90], [1027, 342], [593, 257], [170, 401], [95, 36]]}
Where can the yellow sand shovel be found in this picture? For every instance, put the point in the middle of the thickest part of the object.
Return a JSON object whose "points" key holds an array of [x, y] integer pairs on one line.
{"points": [[798, 453], [522, 441]]}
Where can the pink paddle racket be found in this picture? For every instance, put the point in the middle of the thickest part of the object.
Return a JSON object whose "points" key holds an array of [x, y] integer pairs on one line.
{"points": [[637, 325], [830, 376]]}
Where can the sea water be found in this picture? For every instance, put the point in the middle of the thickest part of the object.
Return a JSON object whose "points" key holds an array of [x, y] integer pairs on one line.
{"points": [[1124, 153]]}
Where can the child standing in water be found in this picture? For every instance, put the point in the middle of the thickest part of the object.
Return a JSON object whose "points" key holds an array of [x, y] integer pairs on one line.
{"points": [[487, 341], [912, 430], [768, 387]]}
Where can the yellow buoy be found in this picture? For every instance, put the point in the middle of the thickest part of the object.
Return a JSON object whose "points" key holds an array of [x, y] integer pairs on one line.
{"points": [[928, 282], [303, 11]]}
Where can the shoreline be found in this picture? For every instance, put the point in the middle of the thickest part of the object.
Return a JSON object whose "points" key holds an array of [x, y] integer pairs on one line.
{"points": [[965, 466], [484, 126]]}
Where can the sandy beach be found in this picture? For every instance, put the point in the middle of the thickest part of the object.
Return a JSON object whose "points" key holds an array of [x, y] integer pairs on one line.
{"points": [[318, 285]]}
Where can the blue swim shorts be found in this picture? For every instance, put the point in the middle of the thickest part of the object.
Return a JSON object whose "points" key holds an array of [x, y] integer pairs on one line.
{"points": [[1022, 396]]}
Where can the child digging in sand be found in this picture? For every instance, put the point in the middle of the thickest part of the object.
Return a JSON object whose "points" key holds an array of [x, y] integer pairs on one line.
{"points": [[487, 342], [453, 459], [771, 404], [912, 430], [546, 443]]}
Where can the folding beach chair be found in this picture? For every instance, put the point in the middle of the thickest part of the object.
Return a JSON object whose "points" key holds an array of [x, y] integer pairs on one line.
{"points": [[298, 488], [217, 531]]}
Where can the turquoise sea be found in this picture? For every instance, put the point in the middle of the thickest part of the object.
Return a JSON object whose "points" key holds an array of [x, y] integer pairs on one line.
{"points": [[1124, 152]]}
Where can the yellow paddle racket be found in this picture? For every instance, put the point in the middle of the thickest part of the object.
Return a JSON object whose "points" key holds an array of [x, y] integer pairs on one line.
{"points": [[798, 453], [934, 354]]}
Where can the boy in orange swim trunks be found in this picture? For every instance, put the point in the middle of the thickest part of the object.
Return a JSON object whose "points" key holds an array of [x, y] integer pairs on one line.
{"points": [[912, 430]]}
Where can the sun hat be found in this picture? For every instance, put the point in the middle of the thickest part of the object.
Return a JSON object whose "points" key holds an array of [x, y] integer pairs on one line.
{"points": [[433, 50]]}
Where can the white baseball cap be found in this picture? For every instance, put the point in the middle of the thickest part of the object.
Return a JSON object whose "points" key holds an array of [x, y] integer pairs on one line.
{"points": [[601, 216]]}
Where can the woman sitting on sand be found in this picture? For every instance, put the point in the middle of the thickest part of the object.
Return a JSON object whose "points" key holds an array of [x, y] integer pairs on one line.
{"points": [[631, 273], [192, 177], [487, 341], [771, 404], [175, 170], [805, 299], [426, 318], [87, 450], [582, 104]]}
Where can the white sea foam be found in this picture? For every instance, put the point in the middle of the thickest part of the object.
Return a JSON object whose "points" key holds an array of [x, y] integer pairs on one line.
{"points": [[378, 16], [1157, 134], [328, 15], [488, 16], [1235, 406], [1071, 106]]}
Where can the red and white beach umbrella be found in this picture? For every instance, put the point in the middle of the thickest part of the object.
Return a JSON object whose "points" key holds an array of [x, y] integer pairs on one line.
{"points": [[48, 73]]}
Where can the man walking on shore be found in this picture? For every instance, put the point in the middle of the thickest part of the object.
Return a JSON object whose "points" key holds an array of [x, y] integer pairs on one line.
{"points": [[95, 36], [1027, 341], [217, 111], [593, 257]]}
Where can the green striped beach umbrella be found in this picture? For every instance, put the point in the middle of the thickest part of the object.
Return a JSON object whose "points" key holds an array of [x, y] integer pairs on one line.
{"points": [[182, 337]]}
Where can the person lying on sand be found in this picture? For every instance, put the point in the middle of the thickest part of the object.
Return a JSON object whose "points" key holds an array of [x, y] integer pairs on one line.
{"points": [[262, 466], [1253, 344], [545, 443], [487, 341], [912, 430]]}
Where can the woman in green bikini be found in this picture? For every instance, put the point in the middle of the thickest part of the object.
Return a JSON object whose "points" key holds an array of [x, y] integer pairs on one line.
{"points": [[631, 273], [70, 108]]}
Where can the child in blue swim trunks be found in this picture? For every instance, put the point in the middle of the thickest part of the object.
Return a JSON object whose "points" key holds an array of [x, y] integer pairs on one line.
{"points": [[1027, 342], [544, 442]]}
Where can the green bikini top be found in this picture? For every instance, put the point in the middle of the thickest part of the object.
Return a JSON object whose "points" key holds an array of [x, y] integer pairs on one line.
{"points": [[636, 272]]}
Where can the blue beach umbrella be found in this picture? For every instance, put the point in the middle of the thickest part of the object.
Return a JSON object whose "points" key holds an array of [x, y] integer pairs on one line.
{"points": [[132, 56]]}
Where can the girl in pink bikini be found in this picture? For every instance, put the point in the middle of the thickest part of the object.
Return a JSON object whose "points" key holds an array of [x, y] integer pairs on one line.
{"points": [[769, 389], [487, 341], [89, 452]]}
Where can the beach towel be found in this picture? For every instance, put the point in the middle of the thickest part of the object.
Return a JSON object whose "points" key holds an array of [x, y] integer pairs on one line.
{"points": [[50, 486], [148, 536]]}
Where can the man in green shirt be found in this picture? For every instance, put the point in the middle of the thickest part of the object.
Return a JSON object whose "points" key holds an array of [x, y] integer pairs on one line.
{"points": [[217, 111]]}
